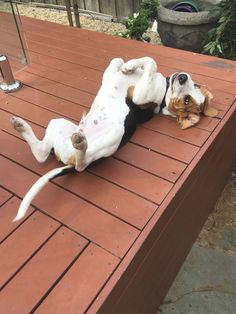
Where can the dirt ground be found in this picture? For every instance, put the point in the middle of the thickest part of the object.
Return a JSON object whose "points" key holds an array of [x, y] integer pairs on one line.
{"points": [[223, 218]]}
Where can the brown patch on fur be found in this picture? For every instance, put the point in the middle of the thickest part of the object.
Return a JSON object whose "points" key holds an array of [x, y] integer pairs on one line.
{"points": [[57, 157], [148, 105], [187, 115], [71, 161], [130, 93], [208, 110]]}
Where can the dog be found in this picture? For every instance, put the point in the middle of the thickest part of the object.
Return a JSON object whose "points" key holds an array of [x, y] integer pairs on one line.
{"points": [[130, 94]]}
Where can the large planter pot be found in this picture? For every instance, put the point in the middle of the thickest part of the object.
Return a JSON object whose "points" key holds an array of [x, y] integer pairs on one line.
{"points": [[185, 30]]}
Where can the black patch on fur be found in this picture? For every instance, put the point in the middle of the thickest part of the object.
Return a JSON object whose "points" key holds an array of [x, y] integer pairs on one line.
{"points": [[135, 116], [163, 103], [64, 172]]}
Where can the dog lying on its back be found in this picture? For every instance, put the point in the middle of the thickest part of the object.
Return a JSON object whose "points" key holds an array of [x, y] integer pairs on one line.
{"points": [[130, 94]]}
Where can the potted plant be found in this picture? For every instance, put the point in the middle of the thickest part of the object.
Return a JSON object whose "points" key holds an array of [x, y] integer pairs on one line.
{"points": [[221, 40], [137, 24], [186, 29]]}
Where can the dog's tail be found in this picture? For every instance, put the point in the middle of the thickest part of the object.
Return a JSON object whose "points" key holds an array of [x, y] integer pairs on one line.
{"points": [[38, 185]]}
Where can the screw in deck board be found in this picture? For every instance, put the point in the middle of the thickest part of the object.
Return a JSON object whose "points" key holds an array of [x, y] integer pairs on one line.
{"points": [[9, 84]]}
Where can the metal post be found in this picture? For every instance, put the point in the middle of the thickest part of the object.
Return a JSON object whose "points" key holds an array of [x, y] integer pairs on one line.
{"points": [[68, 11], [76, 13], [9, 84]]}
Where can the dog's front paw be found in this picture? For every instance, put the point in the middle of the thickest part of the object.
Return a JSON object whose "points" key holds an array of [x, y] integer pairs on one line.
{"points": [[19, 124], [79, 141], [129, 67], [190, 121]]}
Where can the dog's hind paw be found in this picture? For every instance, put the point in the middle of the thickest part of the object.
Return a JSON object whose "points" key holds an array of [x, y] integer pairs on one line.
{"points": [[79, 141], [19, 124]]}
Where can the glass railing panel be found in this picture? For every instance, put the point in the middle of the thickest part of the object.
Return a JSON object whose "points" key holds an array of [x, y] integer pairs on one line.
{"points": [[12, 43]]}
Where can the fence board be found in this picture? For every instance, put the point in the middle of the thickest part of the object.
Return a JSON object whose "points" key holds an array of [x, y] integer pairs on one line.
{"points": [[81, 4], [116, 8], [108, 7], [92, 5]]}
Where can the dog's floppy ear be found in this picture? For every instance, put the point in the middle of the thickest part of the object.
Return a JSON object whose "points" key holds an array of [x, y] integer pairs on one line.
{"points": [[206, 109]]}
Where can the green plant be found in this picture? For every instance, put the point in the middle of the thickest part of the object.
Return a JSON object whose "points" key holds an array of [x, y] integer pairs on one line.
{"points": [[221, 40], [137, 24]]}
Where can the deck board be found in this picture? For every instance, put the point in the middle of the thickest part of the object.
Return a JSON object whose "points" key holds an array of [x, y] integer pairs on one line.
{"points": [[28, 240], [7, 211], [110, 239], [42, 271]]}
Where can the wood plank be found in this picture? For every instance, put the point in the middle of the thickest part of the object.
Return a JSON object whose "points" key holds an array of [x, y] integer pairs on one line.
{"points": [[85, 57], [80, 285], [110, 232], [55, 88], [6, 126], [111, 198], [154, 163], [165, 55], [7, 213], [62, 53], [36, 114], [76, 80], [42, 271], [28, 239], [4, 196], [223, 98], [136, 180], [51, 62], [121, 203], [149, 264], [165, 145], [169, 127]]}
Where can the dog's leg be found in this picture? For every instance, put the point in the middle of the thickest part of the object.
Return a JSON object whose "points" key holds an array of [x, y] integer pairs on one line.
{"points": [[114, 66], [100, 146], [145, 63], [79, 142], [40, 149], [144, 91]]}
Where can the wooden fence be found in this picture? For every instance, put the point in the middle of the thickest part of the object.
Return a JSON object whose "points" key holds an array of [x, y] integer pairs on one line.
{"points": [[116, 8]]}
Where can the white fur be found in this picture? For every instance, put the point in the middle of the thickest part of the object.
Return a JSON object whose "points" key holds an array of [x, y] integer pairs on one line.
{"points": [[100, 131], [102, 127], [178, 91]]}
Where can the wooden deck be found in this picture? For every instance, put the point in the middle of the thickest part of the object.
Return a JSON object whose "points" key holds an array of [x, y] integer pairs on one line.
{"points": [[111, 239]]}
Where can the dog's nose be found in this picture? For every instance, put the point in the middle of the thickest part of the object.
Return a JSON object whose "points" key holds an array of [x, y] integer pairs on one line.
{"points": [[182, 78]]}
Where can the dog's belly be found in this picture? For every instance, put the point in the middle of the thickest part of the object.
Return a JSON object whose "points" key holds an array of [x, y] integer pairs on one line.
{"points": [[61, 130], [98, 124]]}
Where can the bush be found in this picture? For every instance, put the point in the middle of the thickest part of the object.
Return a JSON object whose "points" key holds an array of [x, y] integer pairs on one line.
{"points": [[137, 25], [222, 39]]}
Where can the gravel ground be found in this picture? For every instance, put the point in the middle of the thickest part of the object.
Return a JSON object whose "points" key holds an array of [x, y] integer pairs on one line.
{"points": [[59, 16], [223, 218]]}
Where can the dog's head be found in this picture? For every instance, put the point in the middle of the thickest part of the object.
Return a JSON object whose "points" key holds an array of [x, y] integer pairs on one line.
{"points": [[186, 100]]}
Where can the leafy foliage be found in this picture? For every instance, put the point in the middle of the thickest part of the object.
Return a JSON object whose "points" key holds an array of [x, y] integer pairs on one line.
{"points": [[222, 39], [137, 24]]}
